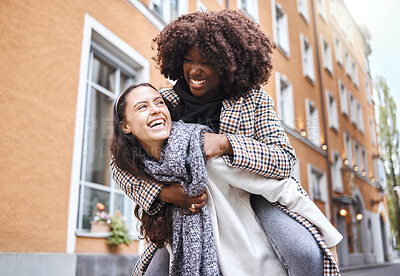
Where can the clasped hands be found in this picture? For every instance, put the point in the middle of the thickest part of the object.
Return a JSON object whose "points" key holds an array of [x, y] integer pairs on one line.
{"points": [[174, 193]]}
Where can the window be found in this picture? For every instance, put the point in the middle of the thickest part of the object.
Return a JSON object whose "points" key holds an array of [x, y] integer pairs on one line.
{"points": [[360, 117], [347, 61], [321, 7], [281, 30], [354, 71], [353, 109], [338, 50], [284, 96], [348, 149], [308, 59], [168, 10], [108, 77], [200, 6], [372, 128], [337, 172], [317, 184], [333, 8], [250, 8], [312, 123], [380, 171], [332, 111], [368, 92], [302, 7], [367, 68], [326, 55], [357, 152], [344, 106], [364, 167]]}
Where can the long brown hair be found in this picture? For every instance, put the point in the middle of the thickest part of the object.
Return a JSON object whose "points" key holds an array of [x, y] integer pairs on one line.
{"points": [[128, 154]]}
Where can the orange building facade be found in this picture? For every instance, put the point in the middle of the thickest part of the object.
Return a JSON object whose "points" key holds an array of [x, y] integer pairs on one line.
{"points": [[65, 63]]}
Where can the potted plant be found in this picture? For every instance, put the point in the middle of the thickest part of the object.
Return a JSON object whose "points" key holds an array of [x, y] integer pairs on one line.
{"points": [[119, 233], [101, 221]]}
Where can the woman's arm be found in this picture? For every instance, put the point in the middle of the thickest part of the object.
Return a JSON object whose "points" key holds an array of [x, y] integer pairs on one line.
{"points": [[151, 196], [259, 144]]}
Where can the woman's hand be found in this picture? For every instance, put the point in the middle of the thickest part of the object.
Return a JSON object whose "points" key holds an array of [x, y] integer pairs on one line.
{"points": [[216, 145], [174, 193], [334, 253]]}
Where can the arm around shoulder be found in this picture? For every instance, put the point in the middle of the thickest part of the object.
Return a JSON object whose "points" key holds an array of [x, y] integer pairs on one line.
{"points": [[268, 151]]}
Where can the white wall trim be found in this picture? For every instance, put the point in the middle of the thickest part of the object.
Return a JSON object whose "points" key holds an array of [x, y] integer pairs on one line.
{"points": [[157, 22], [91, 25]]}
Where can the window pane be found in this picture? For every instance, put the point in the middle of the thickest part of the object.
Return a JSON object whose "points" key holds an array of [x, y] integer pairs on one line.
{"points": [[174, 9], [99, 131], [92, 196], [119, 203], [125, 82], [103, 74]]}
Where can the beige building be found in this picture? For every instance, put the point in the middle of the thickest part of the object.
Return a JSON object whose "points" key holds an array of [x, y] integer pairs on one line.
{"points": [[64, 63]]}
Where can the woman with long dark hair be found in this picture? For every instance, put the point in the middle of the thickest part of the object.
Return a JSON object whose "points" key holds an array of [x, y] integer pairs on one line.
{"points": [[219, 60], [173, 151]]}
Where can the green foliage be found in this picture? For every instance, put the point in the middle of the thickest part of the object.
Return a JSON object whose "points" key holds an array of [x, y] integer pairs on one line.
{"points": [[389, 150], [119, 233]]}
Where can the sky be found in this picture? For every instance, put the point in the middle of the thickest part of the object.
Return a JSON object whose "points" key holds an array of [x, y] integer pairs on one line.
{"points": [[383, 21]]}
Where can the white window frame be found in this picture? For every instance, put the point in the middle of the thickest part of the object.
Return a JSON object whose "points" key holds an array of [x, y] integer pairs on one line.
{"points": [[337, 172], [364, 161], [353, 109], [338, 49], [368, 92], [307, 58], [354, 70], [251, 11], [311, 171], [347, 60], [357, 152], [333, 8], [372, 130], [302, 8], [201, 7], [326, 55], [360, 117], [94, 31], [331, 104], [285, 104], [313, 129], [344, 104], [321, 7], [280, 28], [166, 5], [348, 148], [367, 67]]}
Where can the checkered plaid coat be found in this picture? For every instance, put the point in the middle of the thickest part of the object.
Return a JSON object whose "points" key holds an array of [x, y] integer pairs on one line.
{"points": [[260, 146]]}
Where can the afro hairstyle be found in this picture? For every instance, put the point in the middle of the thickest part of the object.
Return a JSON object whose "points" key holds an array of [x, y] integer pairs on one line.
{"points": [[234, 44]]}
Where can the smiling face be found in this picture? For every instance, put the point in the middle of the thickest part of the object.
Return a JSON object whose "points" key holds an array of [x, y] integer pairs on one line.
{"points": [[148, 118], [201, 75]]}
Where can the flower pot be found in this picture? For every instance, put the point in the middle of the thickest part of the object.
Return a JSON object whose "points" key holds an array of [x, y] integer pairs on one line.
{"points": [[99, 227]]}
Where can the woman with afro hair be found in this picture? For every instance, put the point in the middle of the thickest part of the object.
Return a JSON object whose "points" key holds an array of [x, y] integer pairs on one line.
{"points": [[219, 61]]}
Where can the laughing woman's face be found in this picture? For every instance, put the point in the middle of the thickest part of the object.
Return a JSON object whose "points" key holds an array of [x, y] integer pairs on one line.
{"points": [[147, 117], [201, 75]]}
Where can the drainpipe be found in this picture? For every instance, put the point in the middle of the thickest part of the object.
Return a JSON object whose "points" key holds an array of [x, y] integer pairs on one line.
{"points": [[227, 4], [321, 90]]}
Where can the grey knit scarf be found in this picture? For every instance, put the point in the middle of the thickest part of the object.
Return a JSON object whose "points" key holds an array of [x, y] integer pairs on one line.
{"points": [[183, 160]]}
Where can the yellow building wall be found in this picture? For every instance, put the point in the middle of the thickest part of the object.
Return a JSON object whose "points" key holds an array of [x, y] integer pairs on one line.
{"points": [[41, 47]]}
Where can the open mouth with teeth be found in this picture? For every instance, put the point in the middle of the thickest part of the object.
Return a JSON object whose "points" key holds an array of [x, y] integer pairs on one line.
{"points": [[157, 123], [197, 83]]}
